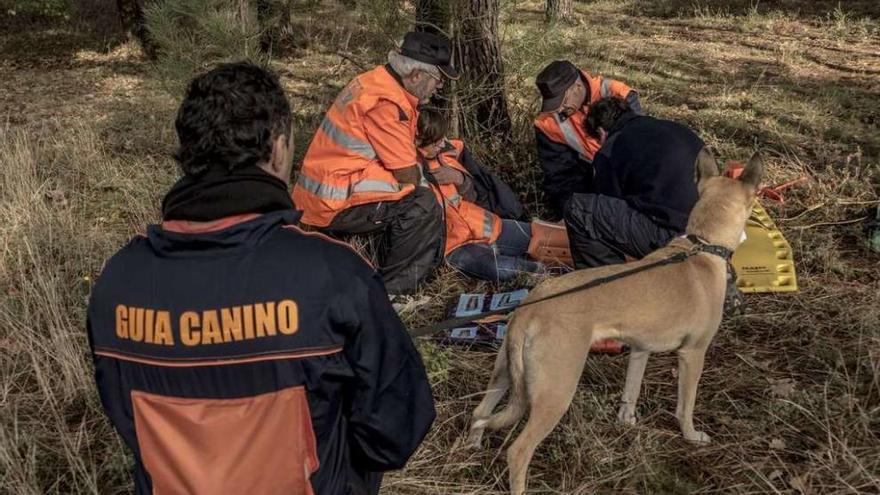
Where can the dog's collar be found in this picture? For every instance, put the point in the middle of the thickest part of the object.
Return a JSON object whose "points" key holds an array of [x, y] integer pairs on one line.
{"points": [[703, 245]]}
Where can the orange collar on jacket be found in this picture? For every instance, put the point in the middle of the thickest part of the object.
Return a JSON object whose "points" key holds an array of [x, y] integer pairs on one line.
{"points": [[189, 227]]}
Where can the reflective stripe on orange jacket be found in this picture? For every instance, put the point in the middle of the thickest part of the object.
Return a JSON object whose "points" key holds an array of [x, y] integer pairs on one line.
{"points": [[342, 168], [571, 130], [466, 222]]}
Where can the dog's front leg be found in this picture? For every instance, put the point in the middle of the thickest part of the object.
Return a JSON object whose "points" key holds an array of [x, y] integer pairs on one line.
{"points": [[690, 367], [634, 373]]}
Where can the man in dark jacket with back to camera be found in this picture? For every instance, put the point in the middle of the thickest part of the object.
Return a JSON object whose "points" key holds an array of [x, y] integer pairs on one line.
{"points": [[644, 186], [235, 353]]}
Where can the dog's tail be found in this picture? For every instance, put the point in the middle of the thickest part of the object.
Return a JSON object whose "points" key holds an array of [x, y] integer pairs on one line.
{"points": [[516, 405]]}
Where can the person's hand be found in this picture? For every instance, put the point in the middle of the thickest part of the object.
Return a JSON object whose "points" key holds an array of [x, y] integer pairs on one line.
{"points": [[448, 175]]}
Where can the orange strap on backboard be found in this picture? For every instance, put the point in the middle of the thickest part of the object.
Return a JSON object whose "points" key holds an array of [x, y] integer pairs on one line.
{"points": [[734, 169]]}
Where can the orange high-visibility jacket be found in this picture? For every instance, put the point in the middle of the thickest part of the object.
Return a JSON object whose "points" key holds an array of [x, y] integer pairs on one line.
{"points": [[571, 130], [466, 222], [341, 168]]}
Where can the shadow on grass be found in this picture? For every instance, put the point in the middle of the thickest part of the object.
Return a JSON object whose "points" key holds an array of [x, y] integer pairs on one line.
{"points": [[91, 25], [818, 107], [798, 8]]}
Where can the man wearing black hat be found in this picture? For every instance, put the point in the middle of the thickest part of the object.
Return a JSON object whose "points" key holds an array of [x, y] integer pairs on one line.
{"points": [[564, 149], [361, 174]]}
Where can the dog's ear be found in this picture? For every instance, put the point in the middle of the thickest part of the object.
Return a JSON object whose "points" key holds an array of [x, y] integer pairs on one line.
{"points": [[706, 167], [753, 172]]}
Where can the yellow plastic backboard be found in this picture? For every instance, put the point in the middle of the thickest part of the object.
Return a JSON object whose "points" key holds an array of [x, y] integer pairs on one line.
{"points": [[764, 262]]}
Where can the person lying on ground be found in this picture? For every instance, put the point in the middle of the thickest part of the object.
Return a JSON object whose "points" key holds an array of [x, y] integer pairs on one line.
{"points": [[360, 174], [565, 151], [484, 237], [235, 353], [644, 185]]}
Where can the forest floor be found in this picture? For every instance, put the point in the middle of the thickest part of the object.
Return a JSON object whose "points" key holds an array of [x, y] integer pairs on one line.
{"points": [[790, 395]]}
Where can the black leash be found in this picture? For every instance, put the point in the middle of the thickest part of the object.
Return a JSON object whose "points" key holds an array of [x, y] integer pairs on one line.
{"points": [[700, 246]]}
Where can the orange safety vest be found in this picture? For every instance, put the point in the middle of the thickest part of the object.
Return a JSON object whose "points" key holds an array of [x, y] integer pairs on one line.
{"points": [[571, 130], [466, 222], [341, 168]]}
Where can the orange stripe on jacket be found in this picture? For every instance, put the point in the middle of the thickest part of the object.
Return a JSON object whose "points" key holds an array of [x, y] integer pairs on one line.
{"points": [[191, 363], [190, 227], [191, 445]]}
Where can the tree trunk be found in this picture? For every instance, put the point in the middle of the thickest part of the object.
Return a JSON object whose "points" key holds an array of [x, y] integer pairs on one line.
{"points": [[131, 15], [481, 98], [273, 19], [433, 16], [244, 13], [557, 10], [479, 106]]}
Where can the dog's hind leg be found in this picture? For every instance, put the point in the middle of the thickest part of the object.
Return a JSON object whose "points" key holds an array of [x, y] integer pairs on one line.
{"points": [[634, 373], [498, 386], [690, 367], [515, 342], [550, 389]]}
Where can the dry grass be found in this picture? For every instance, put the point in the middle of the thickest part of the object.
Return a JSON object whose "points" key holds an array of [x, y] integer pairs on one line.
{"points": [[791, 393], [61, 215]]}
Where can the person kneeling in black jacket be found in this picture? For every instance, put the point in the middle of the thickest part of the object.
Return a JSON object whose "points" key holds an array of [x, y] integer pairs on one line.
{"points": [[235, 353], [644, 186]]}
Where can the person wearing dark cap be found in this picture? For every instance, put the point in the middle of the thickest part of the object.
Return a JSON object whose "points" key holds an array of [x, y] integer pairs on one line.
{"points": [[565, 151], [361, 173]]}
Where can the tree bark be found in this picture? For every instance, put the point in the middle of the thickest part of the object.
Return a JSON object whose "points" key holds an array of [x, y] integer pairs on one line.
{"points": [[433, 16], [557, 10], [273, 19], [481, 97], [244, 13], [479, 106]]}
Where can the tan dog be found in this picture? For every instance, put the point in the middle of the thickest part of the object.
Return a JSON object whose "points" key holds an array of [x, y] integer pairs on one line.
{"points": [[673, 307]]}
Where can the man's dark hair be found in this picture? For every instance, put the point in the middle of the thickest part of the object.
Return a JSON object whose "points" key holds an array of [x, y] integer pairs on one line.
{"points": [[604, 113], [432, 125], [230, 117]]}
